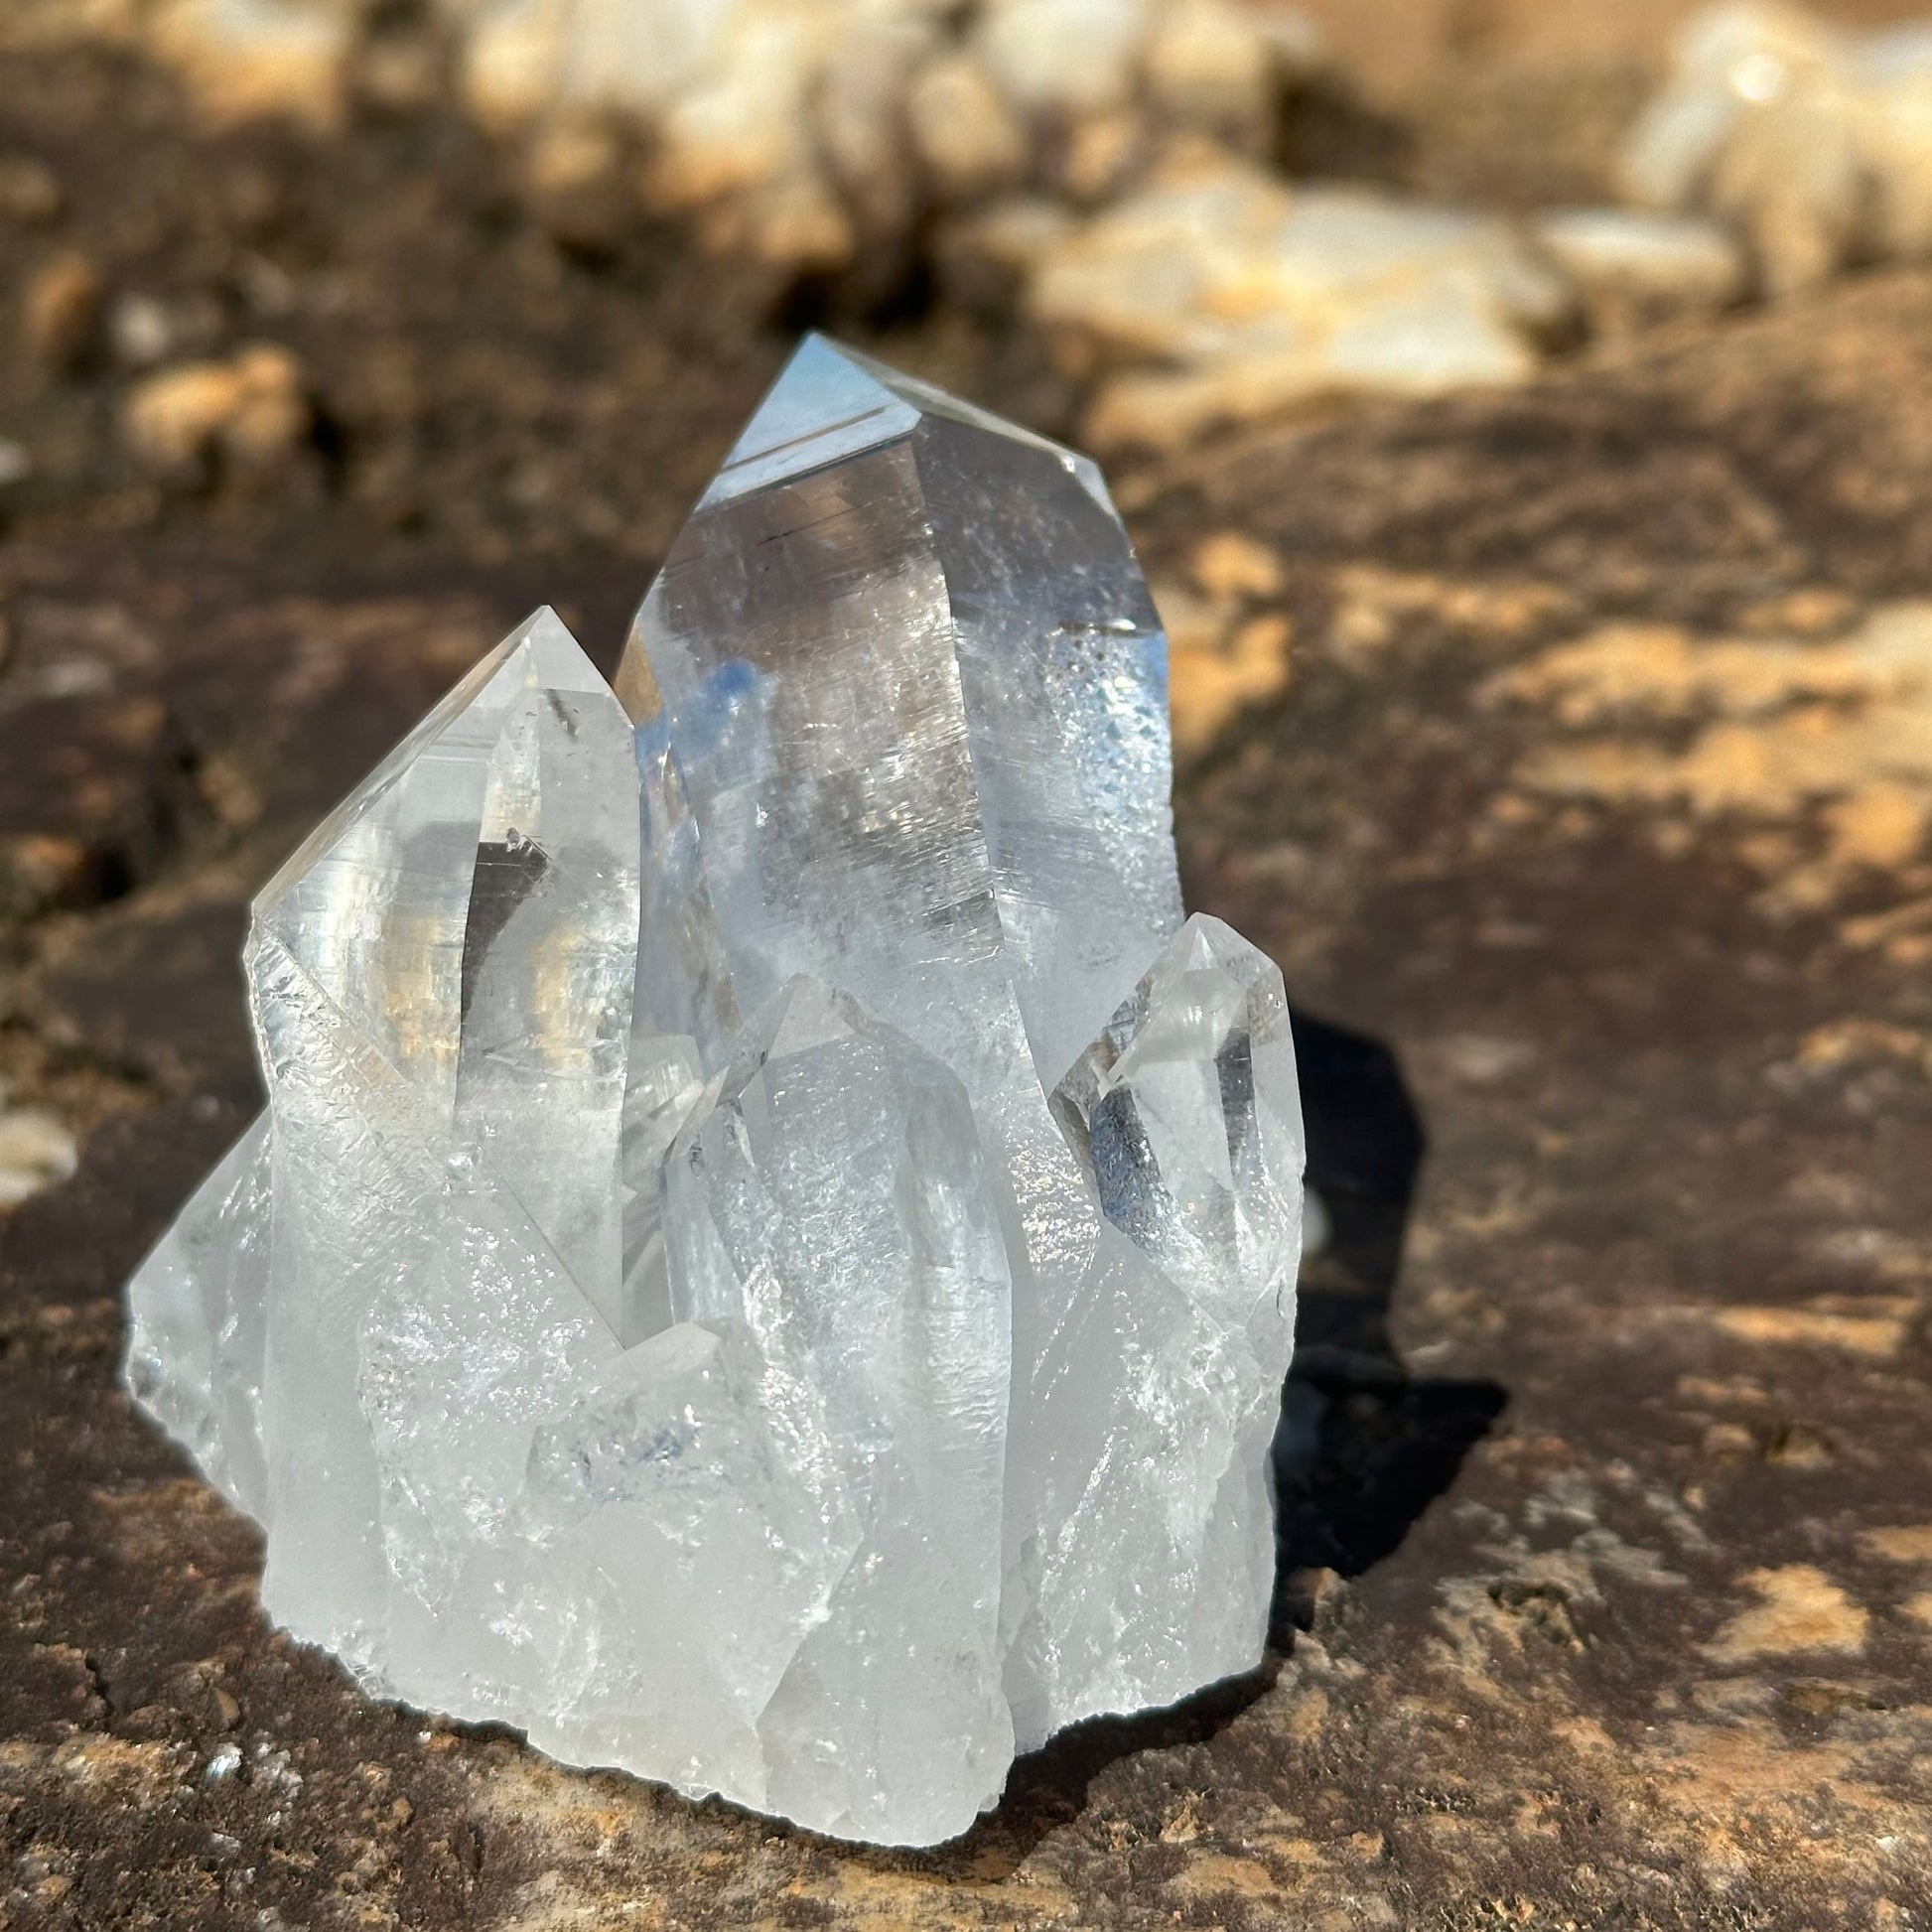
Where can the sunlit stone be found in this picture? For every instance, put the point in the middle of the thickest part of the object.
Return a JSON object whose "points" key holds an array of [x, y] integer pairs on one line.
{"points": [[771, 1258]]}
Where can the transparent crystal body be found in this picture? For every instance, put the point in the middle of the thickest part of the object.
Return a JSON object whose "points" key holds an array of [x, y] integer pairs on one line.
{"points": [[769, 1261]]}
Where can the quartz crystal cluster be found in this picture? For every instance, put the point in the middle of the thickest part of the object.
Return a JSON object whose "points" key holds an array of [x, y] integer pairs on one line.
{"points": [[770, 1259]]}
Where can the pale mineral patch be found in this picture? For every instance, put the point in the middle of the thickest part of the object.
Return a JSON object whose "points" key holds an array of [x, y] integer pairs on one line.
{"points": [[1901, 1541], [1210, 65], [1800, 1609], [1070, 56], [1876, 1327], [804, 129], [249, 409], [1221, 662], [968, 134], [1229, 565], [1633, 266], [1829, 738], [245, 58]]}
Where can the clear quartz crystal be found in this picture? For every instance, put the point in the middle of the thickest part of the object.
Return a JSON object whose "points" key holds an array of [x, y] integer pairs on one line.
{"points": [[770, 1262], [832, 1196], [1149, 1418]]}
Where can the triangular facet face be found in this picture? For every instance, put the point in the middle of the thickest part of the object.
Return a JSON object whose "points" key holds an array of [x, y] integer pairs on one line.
{"points": [[805, 1014], [196, 1331], [459, 703], [553, 659], [929, 400], [825, 405]]}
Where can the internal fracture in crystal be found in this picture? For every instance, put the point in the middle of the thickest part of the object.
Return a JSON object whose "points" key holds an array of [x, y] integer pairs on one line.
{"points": [[769, 1261]]}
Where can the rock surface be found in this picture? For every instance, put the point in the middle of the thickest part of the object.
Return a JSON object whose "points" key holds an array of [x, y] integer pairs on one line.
{"points": [[36, 1152], [1631, 266], [1606, 1582], [808, 131], [1120, 160], [247, 411], [1656, 1652]]}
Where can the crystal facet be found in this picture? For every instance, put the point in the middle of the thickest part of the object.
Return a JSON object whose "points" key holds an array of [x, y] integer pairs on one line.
{"points": [[771, 1257]]}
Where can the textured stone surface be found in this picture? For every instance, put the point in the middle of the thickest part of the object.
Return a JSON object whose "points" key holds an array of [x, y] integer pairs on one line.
{"points": [[1666, 1245], [1632, 266], [780, 124]]}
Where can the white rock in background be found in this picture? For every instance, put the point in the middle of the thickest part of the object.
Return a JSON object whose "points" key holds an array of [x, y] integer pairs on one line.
{"points": [[860, 116], [1894, 70], [1634, 265], [36, 1152], [1143, 278], [523, 57], [1106, 88], [1226, 294], [1063, 56], [1816, 141], [738, 145], [512, 62], [1218, 68], [1724, 61], [803, 131], [969, 136], [782, 124], [250, 410]]}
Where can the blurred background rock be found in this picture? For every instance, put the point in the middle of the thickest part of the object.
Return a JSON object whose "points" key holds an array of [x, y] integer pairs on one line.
{"points": [[1134, 221]]}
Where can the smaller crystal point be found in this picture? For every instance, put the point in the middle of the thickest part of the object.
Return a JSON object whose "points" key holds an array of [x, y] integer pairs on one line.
{"points": [[747, 1271], [1188, 1110], [1146, 1418], [550, 954]]}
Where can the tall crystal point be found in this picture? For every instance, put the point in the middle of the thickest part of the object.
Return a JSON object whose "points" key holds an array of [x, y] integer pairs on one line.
{"points": [[771, 1258]]}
